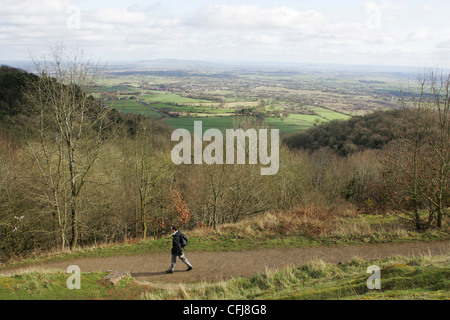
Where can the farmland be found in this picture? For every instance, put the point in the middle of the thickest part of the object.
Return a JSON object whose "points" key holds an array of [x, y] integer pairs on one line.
{"points": [[132, 106], [291, 101]]}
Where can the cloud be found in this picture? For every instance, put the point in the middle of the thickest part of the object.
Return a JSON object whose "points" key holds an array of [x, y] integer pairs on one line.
{"points": [[395, 5], [421, 34], [430, 6], [255, 17], [32, 13], [269, 30], [119, 16], [443, 44], [30, 7], [30, 22]]}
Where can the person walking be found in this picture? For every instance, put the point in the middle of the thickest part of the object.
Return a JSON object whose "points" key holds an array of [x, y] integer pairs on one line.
{"points": [[177, 251]]}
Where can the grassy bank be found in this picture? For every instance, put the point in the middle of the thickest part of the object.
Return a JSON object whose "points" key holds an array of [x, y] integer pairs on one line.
{"points": [[401, 278], [51, 285]]}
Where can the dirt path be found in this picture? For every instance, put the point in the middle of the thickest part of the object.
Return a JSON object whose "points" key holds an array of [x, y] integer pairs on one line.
{"points": [[214, 266]]}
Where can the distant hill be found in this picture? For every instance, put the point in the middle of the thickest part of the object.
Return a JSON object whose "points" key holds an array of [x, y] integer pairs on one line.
{"points": [[12, 83], [347, 136]]}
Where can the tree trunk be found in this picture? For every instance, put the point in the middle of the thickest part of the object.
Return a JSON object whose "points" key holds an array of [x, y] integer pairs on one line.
{"points": [[73, 242]]}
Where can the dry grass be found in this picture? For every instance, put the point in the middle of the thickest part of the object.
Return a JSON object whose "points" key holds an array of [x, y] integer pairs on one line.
{"points": [[341, 222], [310, 221]]}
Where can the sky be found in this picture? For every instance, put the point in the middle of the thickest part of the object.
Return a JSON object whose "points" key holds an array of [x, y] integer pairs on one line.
{"points": [[375, 32]]}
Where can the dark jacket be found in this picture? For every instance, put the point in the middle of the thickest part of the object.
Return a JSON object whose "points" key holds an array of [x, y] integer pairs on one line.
{"points": [[176, 244]]}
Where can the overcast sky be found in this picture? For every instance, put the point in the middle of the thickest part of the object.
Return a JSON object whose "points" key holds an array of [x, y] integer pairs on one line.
{"points": [[380, 32]]}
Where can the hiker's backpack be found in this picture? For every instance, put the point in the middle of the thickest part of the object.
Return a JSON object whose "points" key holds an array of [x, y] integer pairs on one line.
{"points": [[184, 240]]}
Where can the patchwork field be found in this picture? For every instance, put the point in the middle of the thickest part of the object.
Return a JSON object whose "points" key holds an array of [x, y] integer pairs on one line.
{"points": [[288, 101]]}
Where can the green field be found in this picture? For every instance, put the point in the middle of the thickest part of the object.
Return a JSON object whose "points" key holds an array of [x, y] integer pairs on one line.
{"points": [[220, 123], [289, 125], [292, 123], [329, 114], [169, 97], [286, 126], [191, 109], [120, 87], [132, 106]]}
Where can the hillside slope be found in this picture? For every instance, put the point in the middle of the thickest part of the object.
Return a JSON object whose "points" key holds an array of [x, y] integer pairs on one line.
{"points": [[346, 137]]}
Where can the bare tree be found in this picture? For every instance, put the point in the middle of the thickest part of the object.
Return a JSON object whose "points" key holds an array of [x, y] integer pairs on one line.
{"points": [[153, 174], [439, 140], [71, 128], [419, 156]]}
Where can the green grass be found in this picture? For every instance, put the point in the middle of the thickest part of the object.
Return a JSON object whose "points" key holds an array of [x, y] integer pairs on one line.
{"points": [[45, 285], [329, 114], [292, 124], [289, 125], [118, 87], [169, 97], [401, 278], [220, 123], [132, 106]]}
